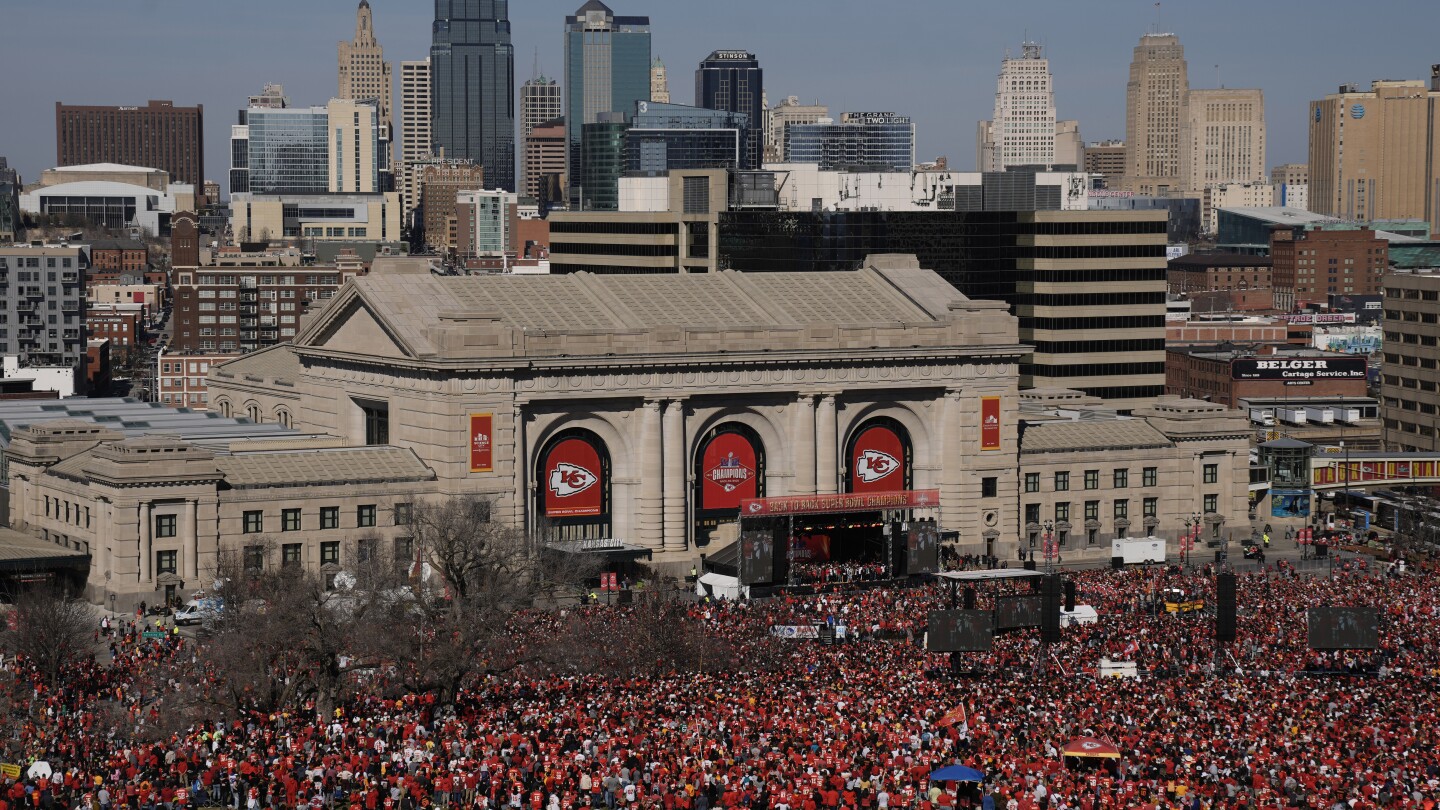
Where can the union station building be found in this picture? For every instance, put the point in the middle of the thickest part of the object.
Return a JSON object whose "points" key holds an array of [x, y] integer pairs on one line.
{"points": [[644, 410]]}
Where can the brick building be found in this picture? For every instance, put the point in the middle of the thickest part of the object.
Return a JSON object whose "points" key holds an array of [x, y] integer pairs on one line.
{"points": [[1203, 272], [120, 255], [159, 134], [1228, 373], [184, 239], [121, 324], [1310, 265], [180, 378], [228, 310], [440, 183]]}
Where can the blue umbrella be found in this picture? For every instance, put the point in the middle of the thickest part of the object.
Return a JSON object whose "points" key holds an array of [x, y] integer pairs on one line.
{"points": [[957, 773]]}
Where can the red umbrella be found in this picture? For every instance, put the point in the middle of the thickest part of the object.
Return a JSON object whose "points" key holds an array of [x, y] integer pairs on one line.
{"points": [[1090, 747]]}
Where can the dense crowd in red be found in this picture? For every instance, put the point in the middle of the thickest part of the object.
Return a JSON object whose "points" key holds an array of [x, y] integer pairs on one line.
{"points": [[854, 724]]}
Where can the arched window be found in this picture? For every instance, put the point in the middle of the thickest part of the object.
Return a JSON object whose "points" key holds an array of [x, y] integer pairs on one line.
{"points": [[573, 485], [729, 467], [879, 457]]}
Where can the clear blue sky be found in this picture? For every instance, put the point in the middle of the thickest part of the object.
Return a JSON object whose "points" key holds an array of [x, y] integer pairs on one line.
{"points": [[935, 60]]}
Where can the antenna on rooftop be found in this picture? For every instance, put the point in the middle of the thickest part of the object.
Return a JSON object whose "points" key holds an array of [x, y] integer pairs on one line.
{"points": [[536, 74]]}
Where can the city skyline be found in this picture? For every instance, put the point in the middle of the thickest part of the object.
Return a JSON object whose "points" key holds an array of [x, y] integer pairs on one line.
{"points": [[955, 62]]}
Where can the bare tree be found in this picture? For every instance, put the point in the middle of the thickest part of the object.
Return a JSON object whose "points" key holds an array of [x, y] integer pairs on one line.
{"points": [[488, 576], [51, 631]]}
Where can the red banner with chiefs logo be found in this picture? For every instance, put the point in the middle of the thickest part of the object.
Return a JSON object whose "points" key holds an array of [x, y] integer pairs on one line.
{"points": [[877, 464], [573, 480], [728, 472], [990, 423], [482, 450]]}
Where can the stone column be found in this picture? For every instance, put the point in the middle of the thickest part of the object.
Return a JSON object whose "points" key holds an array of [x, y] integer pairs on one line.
{"points": [[521, 462], [827, 473], [146, 555], [803, 430], [649, 526], [952, 460], [192, 543], [673, 431]]}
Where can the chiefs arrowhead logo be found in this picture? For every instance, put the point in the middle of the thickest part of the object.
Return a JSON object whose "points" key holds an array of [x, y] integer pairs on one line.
{"points": [[874, 465], [755, 507], [1090, 745], [570, 479]]}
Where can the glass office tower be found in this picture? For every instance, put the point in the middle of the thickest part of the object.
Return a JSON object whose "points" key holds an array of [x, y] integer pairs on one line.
{"points": [[733, 81], [674, 136], [472, 86], [288, 151], [607, 70], [603, 157], [877, 141]]}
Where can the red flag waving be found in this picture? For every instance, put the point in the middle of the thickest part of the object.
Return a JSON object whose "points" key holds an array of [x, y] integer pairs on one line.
{"points": [[955, 716]]}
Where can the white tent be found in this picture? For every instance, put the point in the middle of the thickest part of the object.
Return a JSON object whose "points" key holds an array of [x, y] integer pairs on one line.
{"points": [[718, 586], [1082, 614]]}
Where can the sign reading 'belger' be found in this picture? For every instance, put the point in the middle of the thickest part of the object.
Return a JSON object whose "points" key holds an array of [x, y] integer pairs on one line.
{"points": [[1326, 368]]}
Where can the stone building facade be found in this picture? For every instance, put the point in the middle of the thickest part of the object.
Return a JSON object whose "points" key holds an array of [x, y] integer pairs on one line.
{"points": [[648, 373], [154, 513], [1088, 477]]}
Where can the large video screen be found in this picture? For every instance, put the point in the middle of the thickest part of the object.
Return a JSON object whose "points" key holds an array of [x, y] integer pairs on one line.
{"points": [[960, 631], [922, 548], [757, 556], [1344, 628], [1018, 610]]}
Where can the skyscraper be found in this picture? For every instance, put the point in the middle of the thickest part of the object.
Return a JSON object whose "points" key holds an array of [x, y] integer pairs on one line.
{"points": [[357, 140], [732, 81], [472, 86], [541, 103], [1155, 113], [1224, 138], [158, 135], [544, 162], [1022, 132], [288, 150], [789, 111], [364, 73], [659, 82], [607, 70], [874, 141], [1374, 153], [415, 132]]}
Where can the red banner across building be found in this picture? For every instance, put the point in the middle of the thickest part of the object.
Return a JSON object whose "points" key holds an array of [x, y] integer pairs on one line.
{"points": [[858, 502]]}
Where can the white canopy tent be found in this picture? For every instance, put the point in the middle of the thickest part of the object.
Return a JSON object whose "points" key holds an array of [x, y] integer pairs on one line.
{"points": [[718, 586]]}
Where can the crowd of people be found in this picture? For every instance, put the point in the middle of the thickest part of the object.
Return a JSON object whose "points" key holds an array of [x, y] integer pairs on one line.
{"points": [[801, 725]]}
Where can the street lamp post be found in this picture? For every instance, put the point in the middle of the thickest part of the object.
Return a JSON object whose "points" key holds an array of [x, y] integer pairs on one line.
{"points": [[1049, 547]]}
